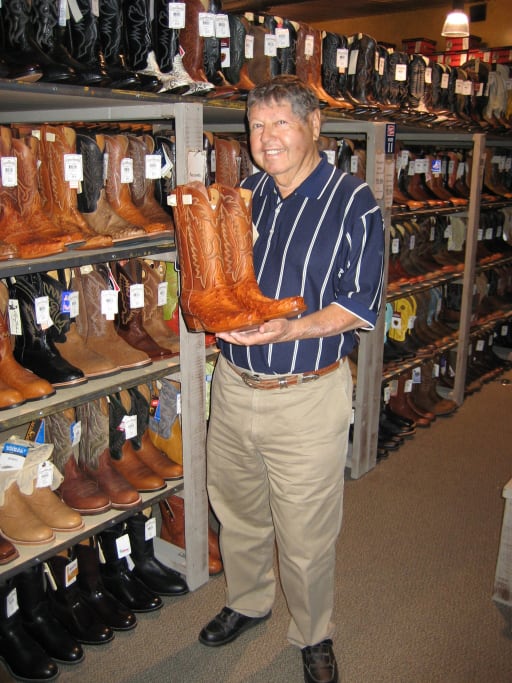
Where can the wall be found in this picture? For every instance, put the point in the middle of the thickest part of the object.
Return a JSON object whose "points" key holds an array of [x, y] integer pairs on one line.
{"points": [[495, 31]]}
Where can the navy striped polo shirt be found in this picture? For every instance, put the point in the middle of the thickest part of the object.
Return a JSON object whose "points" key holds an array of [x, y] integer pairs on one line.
{"points": [[324, 242]]}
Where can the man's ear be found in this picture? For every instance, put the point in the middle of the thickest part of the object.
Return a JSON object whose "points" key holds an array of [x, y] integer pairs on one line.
{"points": [[315, 119]]}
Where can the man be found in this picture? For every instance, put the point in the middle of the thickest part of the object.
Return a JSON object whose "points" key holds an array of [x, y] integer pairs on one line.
{"points": [[282, 394]]}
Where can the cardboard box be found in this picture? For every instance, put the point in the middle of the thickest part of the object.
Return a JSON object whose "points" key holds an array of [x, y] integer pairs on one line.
{"points": [[453, 44]]}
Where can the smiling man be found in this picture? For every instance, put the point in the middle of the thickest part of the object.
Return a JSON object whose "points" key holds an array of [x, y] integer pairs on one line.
{"points": [[282, 393]]}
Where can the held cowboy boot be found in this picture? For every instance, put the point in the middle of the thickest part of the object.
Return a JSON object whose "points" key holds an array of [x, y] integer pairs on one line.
{"points": [[124, 457], [59, 194], [145, 450], [94, 327], [164, 423], [39, 621], [34, 348], [173, 531], [23, 656], [69, 607], [207, 301], [117, 186], [92, 201], [150, 570], [235, 224], [118, 579], [68, 342], [95, 459], [77, 490], [153, 276], [93, 592], [130, 325], [30, 386]]}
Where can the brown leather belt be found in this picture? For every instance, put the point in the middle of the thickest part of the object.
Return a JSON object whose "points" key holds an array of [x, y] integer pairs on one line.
{"points": [[283, 381]]}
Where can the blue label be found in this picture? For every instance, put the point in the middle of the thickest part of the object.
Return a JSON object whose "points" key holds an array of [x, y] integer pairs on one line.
{"points": [[15, 449]]}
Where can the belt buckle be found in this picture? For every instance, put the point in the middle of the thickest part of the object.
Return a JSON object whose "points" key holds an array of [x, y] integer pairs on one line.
{"points": [[310, 377]]}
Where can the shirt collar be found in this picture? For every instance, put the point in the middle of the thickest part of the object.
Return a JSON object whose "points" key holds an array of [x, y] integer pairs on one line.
{"points": [[315, 183]]}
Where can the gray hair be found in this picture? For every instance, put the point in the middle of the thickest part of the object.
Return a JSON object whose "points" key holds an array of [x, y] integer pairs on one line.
{"points": [[285, 88]]}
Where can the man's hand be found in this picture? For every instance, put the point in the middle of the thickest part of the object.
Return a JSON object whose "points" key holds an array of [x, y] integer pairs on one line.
{"points": [[267, 333]]}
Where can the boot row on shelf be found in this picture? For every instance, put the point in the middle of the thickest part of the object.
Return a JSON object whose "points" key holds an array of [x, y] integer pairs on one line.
{"points": [[84, 323], [83, 596], [66, 190], [199, 50], [105, 453]]}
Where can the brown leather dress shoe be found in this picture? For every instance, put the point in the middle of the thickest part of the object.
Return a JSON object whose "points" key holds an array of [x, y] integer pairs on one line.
{"points": [[320, 663]]}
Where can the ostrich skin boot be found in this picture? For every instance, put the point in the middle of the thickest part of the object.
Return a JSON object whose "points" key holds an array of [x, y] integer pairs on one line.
{"points": [[207, 301], [236, 230]]}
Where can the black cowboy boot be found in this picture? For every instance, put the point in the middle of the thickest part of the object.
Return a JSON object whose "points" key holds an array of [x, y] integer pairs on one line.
{"points": [[83, 42]]}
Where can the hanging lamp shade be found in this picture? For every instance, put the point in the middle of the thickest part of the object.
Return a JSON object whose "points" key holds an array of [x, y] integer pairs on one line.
{"points": [[456, 24]]}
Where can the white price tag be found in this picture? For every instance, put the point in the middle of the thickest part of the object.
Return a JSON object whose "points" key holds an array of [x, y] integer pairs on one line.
{"points": [[354, 163], [428, 75], [9, 167], [73, 169], [153, 167], [11, 603], [342, 58], [467, 88], [270, 46], [75, 433], [352, 62], [401, 72], [408, 386], [283, 37], [435, 370], [14, 317], [410, 322], [177, 15], [222, 26], [109, 303], [480, 345], [163, 288], [71, 572], [95, 8], [416, 375], [395, 245], [444, 81], [127, 170], [206, 25], [123, 546], [42, 310], [150, 529], [44, 475], [249, 47], [129, 424], [137, 296], [63, 8], [387, 394], [309, 46]]}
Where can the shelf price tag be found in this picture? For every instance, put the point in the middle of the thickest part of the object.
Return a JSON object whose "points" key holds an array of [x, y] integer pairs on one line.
{"points": [[137, 296], [177, 15], [9, 168]]}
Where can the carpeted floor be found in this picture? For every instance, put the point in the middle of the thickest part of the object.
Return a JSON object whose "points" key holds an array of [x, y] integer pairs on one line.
{"points": [[416, 563]]}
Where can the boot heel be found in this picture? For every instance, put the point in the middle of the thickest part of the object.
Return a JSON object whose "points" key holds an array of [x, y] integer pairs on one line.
{"points": [[193, 323]]}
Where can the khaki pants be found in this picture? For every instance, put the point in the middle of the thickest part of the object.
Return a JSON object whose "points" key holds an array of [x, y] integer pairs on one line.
{"points": [[275, 474]]}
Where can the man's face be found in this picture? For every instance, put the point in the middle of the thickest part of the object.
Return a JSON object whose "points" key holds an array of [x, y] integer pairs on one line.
{"points": [[281, 143]]}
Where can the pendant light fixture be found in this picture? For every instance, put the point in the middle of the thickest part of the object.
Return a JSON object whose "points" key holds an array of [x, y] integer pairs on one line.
{"points": [[456, 24]]}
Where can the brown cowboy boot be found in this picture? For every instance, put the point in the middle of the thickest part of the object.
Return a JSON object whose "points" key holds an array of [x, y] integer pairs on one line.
{"points": [[153, 274], [235, 224], [207, 300]]}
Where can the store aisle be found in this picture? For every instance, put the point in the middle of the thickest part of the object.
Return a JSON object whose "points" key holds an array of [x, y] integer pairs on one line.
{"points": [[416, 567]]}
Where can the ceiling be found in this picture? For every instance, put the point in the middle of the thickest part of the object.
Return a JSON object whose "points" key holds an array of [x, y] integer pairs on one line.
{"points": [[327, 10]]}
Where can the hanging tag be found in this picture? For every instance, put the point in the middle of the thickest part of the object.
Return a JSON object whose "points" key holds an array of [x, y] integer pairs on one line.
{"points": [[162, 293], [354, 163], [137, 296], [309, 46], [129, 426], [127, 170], [42, 310], [408, 386], [178, 403], [395, 245], [206, 26], [75, 433], [283, 37], [153, 168], [195, 165], [63, 8], [396, 321], [70, 303], [123, 546], [416, 375], [222, 26], [14, 317], [11, 603], [177, 15], [109, 303], [9, 167], [150, 529], [44, 475], [480, 345], [444, 81], [73, 170], [352, 62], [401, 72], [95, 8], [435, 370], [71, 572], [225, 53], [504, 330], [428, 75], [412, 242], [249, 47], [387, 394], [342, 58], [270, 46], [331, 156]]}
